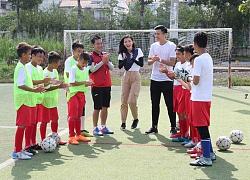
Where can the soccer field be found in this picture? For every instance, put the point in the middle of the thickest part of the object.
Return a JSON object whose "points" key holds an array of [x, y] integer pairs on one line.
{"points": [[130, 154]]}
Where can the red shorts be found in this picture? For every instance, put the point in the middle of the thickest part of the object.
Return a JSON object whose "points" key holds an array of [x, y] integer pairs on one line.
{"points": [[25, 115], [176, 97], [48, 114], [187, 102], [182, 107], [76, 104], [201, 113]]}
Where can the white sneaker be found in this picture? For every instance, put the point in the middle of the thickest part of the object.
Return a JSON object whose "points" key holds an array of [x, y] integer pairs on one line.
{"points": [[27, 153], [191, 144], [20, 155]]}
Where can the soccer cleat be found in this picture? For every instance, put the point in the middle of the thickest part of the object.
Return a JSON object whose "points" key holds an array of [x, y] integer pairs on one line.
{"points": [[152, 130], [30, 150], [192, 151], [178, 139], [172, 132], [134, 124], [123, 127], [202, 161], [73, 141], [62, 142], [105, 130], [20, 155], [186, 141], [86, 133], [195, 155], [97, 132], [212, 156], [191, 144], [175, 135], [82, 138], [36, 147]]}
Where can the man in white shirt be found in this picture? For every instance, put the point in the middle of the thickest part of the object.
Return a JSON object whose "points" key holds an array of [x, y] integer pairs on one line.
{"points": [[161, 53]]}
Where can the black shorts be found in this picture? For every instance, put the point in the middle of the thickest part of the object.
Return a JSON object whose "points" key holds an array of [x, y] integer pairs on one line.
{"points": [[101, 97]]}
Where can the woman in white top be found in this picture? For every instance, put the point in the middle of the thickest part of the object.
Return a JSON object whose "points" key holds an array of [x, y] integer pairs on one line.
{"points": [[131, 58]]}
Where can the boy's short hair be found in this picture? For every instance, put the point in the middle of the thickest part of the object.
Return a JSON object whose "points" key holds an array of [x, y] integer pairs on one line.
{"points": [[53, 57], [77, 44], [84, 56], [37, 49], [180, 48], [22, 47], [200, 38], [189, 48], [96, 37], [163, 29]]}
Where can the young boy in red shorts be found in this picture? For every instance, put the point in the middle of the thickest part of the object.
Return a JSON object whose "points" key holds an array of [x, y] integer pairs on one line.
{"points": [[25, 100], [49, 112], [78, 80]]}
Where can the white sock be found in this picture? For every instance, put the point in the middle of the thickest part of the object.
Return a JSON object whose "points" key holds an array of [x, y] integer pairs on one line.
{"points": [[103, 126], [82, 122]]}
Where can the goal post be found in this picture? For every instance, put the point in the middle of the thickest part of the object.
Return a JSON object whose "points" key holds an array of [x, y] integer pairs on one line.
{"points": [[219, 43]]}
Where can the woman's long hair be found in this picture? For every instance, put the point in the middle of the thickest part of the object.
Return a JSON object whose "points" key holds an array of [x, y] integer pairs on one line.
{"points": [[122, 48]]}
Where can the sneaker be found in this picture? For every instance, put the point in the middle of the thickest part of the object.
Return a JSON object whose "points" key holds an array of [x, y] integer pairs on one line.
{"points": [[178, 139], [62, 142], [123, 127], [82, 138], [191, 144], [192, 151], [105, 130], [30, 150], [212, 156], [36, 147], [195, 155], [186, 141], [172, 132], [152, 130], [134, 124], [20, 155], [97, 132], [86, 133], [73, 141], [202, 161], [175, 135]]}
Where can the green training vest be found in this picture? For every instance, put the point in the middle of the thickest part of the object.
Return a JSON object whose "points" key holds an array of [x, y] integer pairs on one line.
{"points": [[80, 77], [72, 60], [38, 76], [50, 99], [22, 97]]}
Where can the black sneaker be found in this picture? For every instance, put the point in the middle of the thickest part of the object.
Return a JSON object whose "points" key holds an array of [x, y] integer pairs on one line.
{"points": [[30, 150], [123, 127], [152, 130], [36, 147], [134, 124], [173, 132]]}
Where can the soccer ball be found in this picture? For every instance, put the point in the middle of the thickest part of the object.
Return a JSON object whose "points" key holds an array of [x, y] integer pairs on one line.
{"points": [[198, 147], [48, 144], [236, 136], [177, 124], [223, 143], [55, 136]]}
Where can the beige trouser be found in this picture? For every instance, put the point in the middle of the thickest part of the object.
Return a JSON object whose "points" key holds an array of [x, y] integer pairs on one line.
{"points": [[131, 84]]}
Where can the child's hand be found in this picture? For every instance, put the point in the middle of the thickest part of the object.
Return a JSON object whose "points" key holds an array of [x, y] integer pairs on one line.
{"points": [[63, 85], [124, 55], [155, 58], [54, 81], [105, 58], [163, 68], [46, 80], [89, 82], [39, 88]]}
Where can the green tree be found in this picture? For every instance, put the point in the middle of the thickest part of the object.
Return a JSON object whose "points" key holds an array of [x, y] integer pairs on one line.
{"points": [[244, 8], [23, 4]]}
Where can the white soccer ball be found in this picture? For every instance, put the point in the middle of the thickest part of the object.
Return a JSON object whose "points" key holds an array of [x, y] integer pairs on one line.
{"points": [[198, 147], [48, 144], [223, 143], [55, 136], [236, 136], [177, 124]]}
